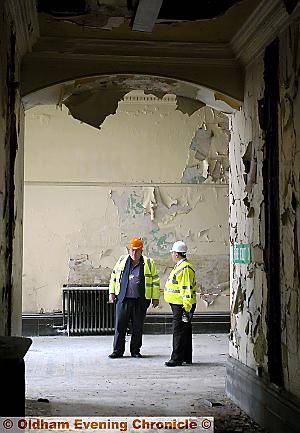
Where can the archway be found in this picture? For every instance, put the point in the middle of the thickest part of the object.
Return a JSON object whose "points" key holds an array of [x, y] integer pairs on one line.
{"points": [[176, 194]]}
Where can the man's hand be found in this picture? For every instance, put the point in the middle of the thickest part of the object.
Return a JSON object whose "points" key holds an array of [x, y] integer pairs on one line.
{"points": [[112, 298], [155, 303], [186, 316]]}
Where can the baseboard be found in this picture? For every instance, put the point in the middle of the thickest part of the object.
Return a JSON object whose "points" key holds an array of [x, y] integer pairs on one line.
{"points": [[203, 323], [42, 325], [273, 408], [50, 324]]}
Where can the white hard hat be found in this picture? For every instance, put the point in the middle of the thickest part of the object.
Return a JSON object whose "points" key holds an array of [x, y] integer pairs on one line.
{"points": [[179, 247]]}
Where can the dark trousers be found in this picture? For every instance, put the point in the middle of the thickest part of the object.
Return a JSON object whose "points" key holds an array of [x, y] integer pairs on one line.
{"points": [[182, 335], [134, 311]]}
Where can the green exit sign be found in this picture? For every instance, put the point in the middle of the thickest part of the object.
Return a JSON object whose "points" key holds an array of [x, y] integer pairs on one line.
{"points": [[241, 253]]}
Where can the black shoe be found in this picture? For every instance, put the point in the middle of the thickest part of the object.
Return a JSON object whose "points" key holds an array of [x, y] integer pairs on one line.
{"points": [[172, 363], [136, 355], [115, 355], [187, 362]]}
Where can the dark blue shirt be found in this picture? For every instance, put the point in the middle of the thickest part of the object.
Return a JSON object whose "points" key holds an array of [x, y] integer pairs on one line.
{"points": [[134, 281]]}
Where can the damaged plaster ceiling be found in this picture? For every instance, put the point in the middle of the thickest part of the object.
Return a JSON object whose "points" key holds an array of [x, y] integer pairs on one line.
{"points": [[91, 100], [143, 14]]}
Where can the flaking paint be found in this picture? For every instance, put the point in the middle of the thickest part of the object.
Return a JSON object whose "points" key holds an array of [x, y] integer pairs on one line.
{"points": [[248, 337], [88, 191]]}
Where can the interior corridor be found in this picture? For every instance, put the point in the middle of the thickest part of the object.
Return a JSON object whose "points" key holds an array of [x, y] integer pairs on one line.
{"points": [[124, 118], [77, 378]]}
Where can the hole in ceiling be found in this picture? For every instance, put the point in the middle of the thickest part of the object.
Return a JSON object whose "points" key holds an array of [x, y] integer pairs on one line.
{"points": [[194, 10], [63, 8]]}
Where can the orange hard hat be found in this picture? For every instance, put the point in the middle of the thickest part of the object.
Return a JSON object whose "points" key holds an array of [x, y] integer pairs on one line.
{"points": [[136, 243]]}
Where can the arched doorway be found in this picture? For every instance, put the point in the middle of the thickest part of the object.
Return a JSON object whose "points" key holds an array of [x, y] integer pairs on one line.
{"points": [[189, 192]]}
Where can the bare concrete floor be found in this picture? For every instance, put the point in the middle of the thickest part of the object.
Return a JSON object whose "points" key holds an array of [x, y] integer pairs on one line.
{"points": [[77, 378]]}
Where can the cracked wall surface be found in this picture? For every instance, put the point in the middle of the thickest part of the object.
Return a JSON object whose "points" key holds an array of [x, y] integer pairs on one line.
{"points": [[249, 337], [87, 191], [248, 282], [208, 156]]}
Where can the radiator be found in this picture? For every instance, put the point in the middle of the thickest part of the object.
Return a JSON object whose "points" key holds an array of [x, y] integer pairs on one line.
{"points": [[86, 311]]}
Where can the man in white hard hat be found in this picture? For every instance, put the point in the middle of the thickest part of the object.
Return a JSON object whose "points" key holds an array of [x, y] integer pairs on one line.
{"points": [[180, 293]]}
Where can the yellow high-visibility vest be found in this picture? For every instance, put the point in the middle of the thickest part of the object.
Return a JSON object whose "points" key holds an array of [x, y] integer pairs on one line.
{"points": [[181, 285], [152, 281]]}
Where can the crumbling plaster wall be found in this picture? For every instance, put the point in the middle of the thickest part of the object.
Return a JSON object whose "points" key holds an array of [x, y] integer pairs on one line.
{"points": [[87, 191], [248, 338], [289, 146], [248, 282]]}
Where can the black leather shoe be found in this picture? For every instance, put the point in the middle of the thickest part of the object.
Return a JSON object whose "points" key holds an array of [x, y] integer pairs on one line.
{"points": [[115, 355], [172, 363], [136, 355]]}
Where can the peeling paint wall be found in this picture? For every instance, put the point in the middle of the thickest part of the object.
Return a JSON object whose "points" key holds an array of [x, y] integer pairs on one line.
{"points": [[289, 146], [208, 156], [248, 282], [189, 213], [87, 191], [249, 337], [247, 226]]}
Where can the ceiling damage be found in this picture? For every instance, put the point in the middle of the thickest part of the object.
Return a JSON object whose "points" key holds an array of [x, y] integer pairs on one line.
{"points": [[91, 100], [142, 14]]}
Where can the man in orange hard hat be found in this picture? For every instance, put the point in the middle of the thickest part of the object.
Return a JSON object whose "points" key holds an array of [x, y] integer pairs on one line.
{"points": [[133, 284]]}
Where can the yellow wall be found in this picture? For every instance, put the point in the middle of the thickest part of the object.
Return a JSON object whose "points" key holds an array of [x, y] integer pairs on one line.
{"points": [[87, 191]]}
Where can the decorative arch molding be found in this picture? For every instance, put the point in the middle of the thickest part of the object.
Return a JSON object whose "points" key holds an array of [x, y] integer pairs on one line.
{"points": [[55, 60]]}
